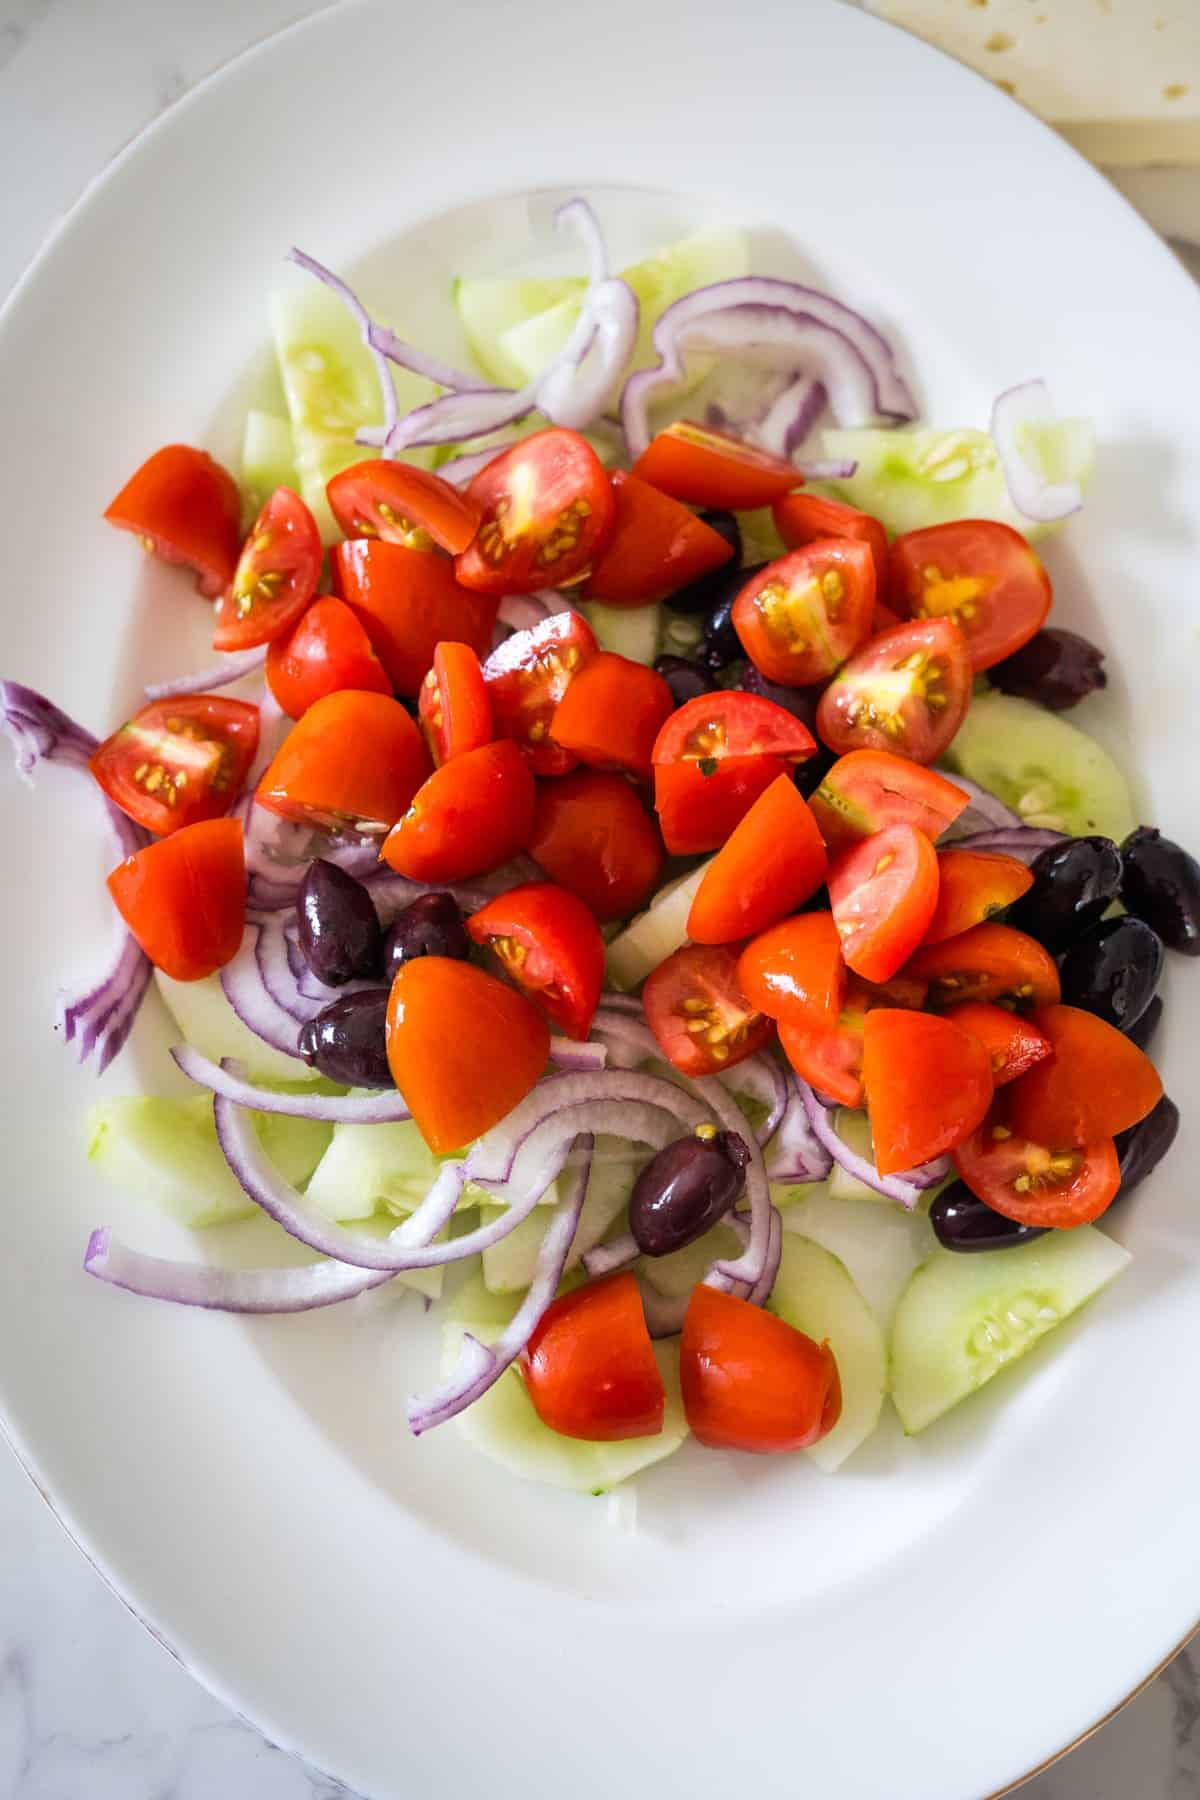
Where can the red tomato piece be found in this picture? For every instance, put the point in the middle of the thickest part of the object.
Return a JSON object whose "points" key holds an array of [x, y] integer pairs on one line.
{"points": [[611, 714], [276, 575], [829, 1057], [869, 789], [713, 758], [353, 763], [656, 547], [325, 651], [800, 518], [527, 676], [973, 886], [772, 862], [1013, 1043], [1034, 1184], [546, 510], [592, 835], [751, 1381], [179, 760], [885, 619], [699, 805], [402, 505], [989, 962], [906, 691], [703, 467], [549, 946], [472, 814], [590, 1368], [979, 573], [928, 1086], [1096, 1084], [463, 1047], [455, 709], [802, 616], [184, 899], [408, 603], [185, 508], [883, 892], [730, 723], [698, 1012], [796, 971]]}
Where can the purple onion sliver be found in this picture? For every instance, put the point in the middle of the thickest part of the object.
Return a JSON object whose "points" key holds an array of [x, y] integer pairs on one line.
{"points": [[790, 417], [985, 806], [1030, 492], [797, 1154], [384, 1107], [419, 362], [243, 987], [225, 1290], [577, 1058], [362, 319], [905, 1189], [828, 469], [750, 1266], [574, 394], [493, 1158], [1026, 843], [760, 1293], [606, 1259], [232, 669], [520, 612], [462, 469]]}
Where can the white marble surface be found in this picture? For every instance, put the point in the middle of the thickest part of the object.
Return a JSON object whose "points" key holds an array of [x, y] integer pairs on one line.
{"points": [[91, 1707]]}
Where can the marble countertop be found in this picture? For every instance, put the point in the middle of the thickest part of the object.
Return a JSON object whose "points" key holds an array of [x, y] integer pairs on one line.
{"points": [[90, 1705]]}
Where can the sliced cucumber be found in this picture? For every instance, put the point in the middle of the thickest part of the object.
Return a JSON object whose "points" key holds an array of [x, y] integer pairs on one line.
{"points": [[677, 1274], [880, 1246], [369, 1169], [854, 1129], [964, 1318], [814, 1292], [504, 1426], [267, 460], [631, 631], [654, 934], [208, 1022], [423, 1281], [910, 479], [761, 541], [491, 306], [508, 1267], [166, 1152], [1049, 771]]}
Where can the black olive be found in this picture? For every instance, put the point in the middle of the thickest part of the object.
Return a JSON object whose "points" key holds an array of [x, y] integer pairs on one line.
{"points": [[1144, 1145], [699, 595], [1056, 668], [340, 934], [1144, 1028], [801, 702], [721, 642], [685, 1189], [1112, 970], [431, 926], [347, 1041], [1074, 884], [961, 1221], [1162, 886], [685, 678]]}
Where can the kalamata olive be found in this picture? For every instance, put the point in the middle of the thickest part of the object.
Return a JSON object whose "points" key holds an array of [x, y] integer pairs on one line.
{"points": [[698, 596], [431, 926], [347, 1041], [1161, 885], [1112, 970], [1144, 1028], [1144, 1145], [685, 678], [1056, 668], [961, 1221], [340, 934], [721, 642], [685, 1189], [800, 702], [1074, 884]]}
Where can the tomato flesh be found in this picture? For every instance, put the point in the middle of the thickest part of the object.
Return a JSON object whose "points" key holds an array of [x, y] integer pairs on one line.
{"points": [[796, 971], [1014, 1044], [698, 1012], [802, 616], [408, 602], [326, 651], [592, 835], [656, 547], [989, 962], [800, 518], [883, 892], [402, 505], [178, 761], [1025, 1180], [276, 575], [527, 677], [454, 706], [928, 1085], [867, 790], [549, 946], [546, 510], [979, 573], [771, 863], [703, 467], [590, 1368], [906, 691], [184, 899], [1096, 1084], [713, 758], [352, 763], [751, 1381], [611, 714], [472, 814], [184, 508], [973, 886]]}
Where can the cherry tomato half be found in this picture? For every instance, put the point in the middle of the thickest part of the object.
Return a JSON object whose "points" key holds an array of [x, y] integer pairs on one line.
{"points": [[799, 518], [612, 713], [698, 1012], [454, 708], [402, 505], [1096, 1084], [771, 863], [527, 676], [869, 789], [472, 814], [185, 508], [973, 886], [656, 547], [1013, 1043], [1036, 1185], [184, 899], [546, 513], [590, 1368], [829, 1057], [592, 835], [549, 946], [979, 573], [713, 758], [408, 603], [928, 1086], [906, 691], [353, 762], [802, 616], [179, 760], [883, 892], [796, 971], [703, 467], [751, 1381], [276, 575], [990, 962], [325, 651]]}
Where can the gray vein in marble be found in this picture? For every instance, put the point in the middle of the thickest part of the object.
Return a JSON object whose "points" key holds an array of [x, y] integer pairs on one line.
{"points": [[21, 17]]}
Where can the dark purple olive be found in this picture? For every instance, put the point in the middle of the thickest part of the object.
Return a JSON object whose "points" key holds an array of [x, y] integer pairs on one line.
{"points": [[1144, 1028], [721, 642], [340, 934], [685, 1189], [801, 702], [1074, 884], [1162, 886], [700, 595], [347, 1041], [961, 1221], [1056, 668], [1143, 1146], [685, 678], [431, 926], [1112, 970]]}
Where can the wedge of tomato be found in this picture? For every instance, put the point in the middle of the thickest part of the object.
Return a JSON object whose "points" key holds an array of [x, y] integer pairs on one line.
{"points": [[656, 546], [696, 1009], [906, 691], [802, 616], [771, 863], [713, 758], [528, 675], [276, 575], [184, 508], [829, 1057], [1035, 1183], [590, 1368], [472, 814], [408, 603], [178, 761], [1096, 1084], [352, 763], [325, 651], [455, 708], [549, 946], [546, 511], [800, 518], [402, 505], [612, 713], [1013, 1043], [979, 573], [883, 892], [928, 1085], [703, 467], [990, 962], [796, 970], [750, 1380], [867, 790], [184, 899], [592, 834], [973, 886]]}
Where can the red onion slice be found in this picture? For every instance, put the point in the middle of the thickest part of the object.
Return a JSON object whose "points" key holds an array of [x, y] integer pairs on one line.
{"points": [[385, 1107], [462, 469], [760, 1293], [574, 390], [494, 1157], [1031, 493], [983, 808], [817, 468], [243, 986], [797, 1154], [906, 1188], [225, 1290], [520, 612], [362, 319], [1025, 842], [790, 417], [230, 669], [606, 1259], [577, 1059]]}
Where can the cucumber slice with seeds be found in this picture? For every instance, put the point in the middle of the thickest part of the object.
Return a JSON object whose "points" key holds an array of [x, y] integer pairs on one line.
{"points": [[631, 631], [814, 1292], [655, 933], [208, 1022], [880, 1246], [267, 460], [1050, 772]]}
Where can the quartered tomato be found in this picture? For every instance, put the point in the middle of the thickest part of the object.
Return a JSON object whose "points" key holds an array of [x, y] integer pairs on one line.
{"points": [[771, 863], [184, 899], [1013, 1043], [750, 1380], [928, 1086], [408, 603], [549, 945], [796, 971], [352, 763], [454, 708], [883, 892], [869, 789], [178, 761], [979, 573], [1096, 1084], [546, 513], [527, 676], [698, 1012], [657, 546], [829, 1057], [326, 651], [590, 1368], [185, 508], [402, 505], [973, 886], [592, 835], [989, 962], [703, 467], [276, 575], [472, 814], [799, 518], [803, 615], [464, 1048], [1034, 1184], [713, 758], [612, 713], [906, 691]]}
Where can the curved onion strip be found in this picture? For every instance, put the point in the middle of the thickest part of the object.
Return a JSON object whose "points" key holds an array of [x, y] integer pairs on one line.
{"points": [[797, 1154], [493, 1158], [243, 662], [790, 417], [243, 987], [1025, 842], [224, 1290], [1029, 490], [382, 1108], [983, 807], [574, 393], [760, 1293], [460, 470], [906, 1189], [578, 1059], [606, 1259], [522, 611], [276, 973], [817, 468], [764, 1080]]}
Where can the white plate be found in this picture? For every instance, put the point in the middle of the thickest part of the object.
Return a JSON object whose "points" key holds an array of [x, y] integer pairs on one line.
{"points": [[942, 1615]]}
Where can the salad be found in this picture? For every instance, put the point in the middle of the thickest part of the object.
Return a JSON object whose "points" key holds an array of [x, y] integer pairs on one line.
{"points": [[648, 897]]}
